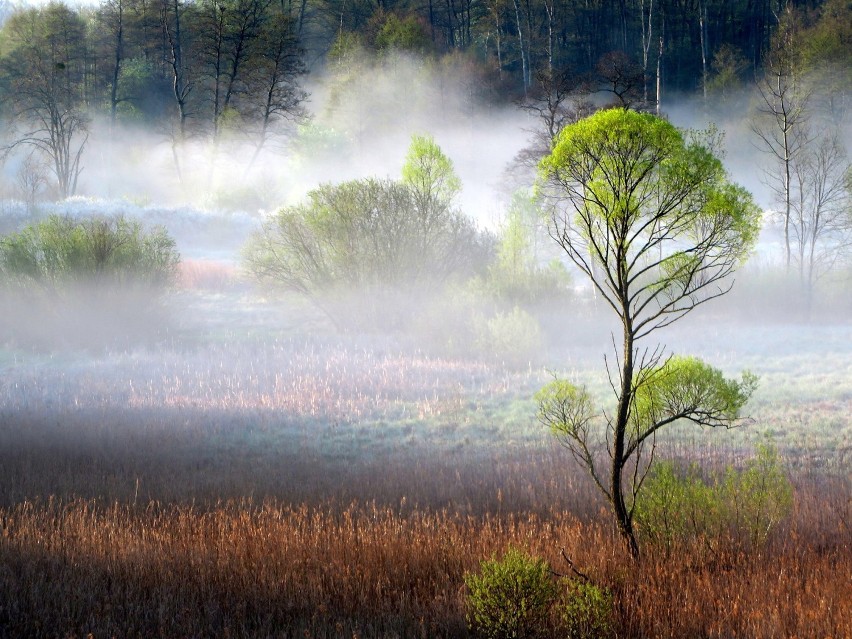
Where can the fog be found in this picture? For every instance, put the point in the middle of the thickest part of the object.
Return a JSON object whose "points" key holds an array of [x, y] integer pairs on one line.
{"points": [[217, 353]]}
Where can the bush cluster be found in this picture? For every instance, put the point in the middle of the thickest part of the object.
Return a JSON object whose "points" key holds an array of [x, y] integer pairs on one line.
{"points": [[100, 251], [740, 504], [517, 596], [83, 282]]}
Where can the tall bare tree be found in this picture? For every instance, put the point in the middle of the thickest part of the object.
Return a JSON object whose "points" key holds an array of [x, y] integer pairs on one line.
{"points": [[821, 225], [780, 123], [44, 72]]}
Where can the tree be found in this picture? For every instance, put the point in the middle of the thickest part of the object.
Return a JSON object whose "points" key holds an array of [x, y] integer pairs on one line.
{"points": [[725, 80], [620, 75], [821, 211], [781, 119], [649, 216], [382, 237], [557, 98], [521, 273], [44, 75], [273, 80], [173, 14]]}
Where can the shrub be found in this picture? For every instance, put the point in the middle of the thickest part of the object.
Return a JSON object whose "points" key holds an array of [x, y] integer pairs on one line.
{"points": [[99, 251], [586, 610], [84, 282], [759, 496], [510, 597], [746, 503], [370, 252], [513, 337]]}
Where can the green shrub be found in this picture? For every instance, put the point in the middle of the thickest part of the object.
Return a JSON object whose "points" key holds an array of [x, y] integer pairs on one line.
{"points": [[586, 610], [513, 337], [745, 503], [84, 282], [759, 496], [371, 252], [98, 251], [510, 597]]}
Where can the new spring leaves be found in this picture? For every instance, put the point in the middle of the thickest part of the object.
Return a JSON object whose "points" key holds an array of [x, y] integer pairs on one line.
{"points": [[650, 217]]}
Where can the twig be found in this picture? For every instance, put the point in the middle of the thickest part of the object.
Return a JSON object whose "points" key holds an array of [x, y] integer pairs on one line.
{"points": [[573, 568]]}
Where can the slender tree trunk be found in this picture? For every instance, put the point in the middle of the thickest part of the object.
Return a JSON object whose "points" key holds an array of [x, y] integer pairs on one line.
{"points": [[116, 71], [702, 25], [646, 45], [524, 61], [622, 514], [550, 9], [659, 73], [499, 45]]}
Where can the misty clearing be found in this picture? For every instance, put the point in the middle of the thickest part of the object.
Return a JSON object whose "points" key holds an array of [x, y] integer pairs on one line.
{"points": [[487, 319]]}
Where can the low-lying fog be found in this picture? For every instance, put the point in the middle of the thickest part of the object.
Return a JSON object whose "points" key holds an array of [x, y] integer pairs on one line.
{"points": [[218, 342]]}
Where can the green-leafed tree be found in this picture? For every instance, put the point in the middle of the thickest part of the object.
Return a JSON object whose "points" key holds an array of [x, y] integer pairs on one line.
{"points": [[649, 216], [380, 237], [521, 272]]}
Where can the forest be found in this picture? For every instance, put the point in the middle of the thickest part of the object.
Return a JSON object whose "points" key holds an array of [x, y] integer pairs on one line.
{"points": [[234, 73]]}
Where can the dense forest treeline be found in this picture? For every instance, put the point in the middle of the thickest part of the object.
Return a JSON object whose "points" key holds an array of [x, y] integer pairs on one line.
{"points": [[221, 70]]}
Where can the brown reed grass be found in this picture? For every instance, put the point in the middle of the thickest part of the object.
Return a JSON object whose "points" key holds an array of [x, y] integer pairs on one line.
{"points": [[246, 569]]}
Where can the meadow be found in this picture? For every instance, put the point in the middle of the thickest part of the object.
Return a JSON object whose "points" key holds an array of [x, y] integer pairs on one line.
{"points": [[254, 473]]}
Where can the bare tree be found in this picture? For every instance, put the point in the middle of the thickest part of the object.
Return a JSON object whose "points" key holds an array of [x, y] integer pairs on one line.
{"points": [[112, 22], [556, 99], [273, 83], [821, 225], [44, 71], [622, 76], [780, 123], [176, 37]]}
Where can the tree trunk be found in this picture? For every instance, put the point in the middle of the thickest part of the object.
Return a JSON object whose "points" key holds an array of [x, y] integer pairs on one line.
{"points": [[622, 514]]}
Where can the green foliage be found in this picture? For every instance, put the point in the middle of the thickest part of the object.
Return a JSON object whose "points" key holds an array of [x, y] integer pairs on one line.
{"points": [[825, 43], [747, 503], [90, 282], [686, 387], [760, 495], [430, 174], [375, 236], [101, 251], [727, 68], [513, 337], [360, 233], [517, 275], [511, 597], [628, 170], [402, 34], [565, 408], [314, 141], [586, 610], [138, 77]]}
